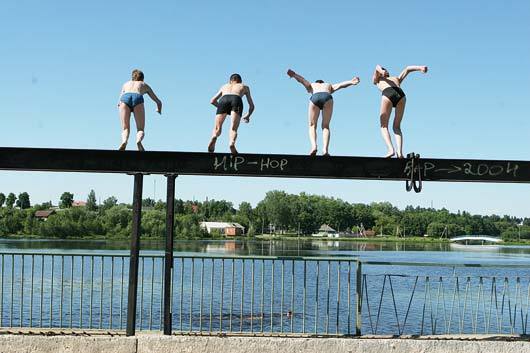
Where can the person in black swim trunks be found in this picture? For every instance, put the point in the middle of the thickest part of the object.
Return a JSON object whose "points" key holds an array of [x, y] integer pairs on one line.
{"points": [[321, 101], [229, 102], [392, 96]]}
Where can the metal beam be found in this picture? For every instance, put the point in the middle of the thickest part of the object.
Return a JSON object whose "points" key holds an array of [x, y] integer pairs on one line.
{"points": [[168, 269], [261, 165], [135, 255]]}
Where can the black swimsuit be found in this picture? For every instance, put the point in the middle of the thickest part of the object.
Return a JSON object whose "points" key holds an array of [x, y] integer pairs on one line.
{"points": [[395, 94], [230, 103], [320, 98]]}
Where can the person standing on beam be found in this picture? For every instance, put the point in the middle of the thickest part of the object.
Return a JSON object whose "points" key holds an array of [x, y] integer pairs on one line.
{"points": [[321, 101], [228, 101], [392, 96], [132, 101]]}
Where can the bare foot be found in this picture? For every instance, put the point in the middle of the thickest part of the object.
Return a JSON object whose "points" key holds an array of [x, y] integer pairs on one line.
{"points": [[390, 154], [140, 146], [313, 153], [122, 146], [211, 145], [233, 149]]}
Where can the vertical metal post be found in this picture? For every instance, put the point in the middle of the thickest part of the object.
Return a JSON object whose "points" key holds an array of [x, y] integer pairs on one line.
{"points": [[168, 268], [135, 254], [358, 298]]}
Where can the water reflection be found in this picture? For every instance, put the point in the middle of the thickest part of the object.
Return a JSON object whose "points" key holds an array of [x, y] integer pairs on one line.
{"points": [[369, 250]]}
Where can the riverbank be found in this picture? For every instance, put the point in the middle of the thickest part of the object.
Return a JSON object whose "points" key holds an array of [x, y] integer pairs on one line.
{"points": [[263, 237]]}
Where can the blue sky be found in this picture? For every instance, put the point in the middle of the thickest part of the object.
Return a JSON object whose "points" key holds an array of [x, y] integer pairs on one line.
{"points": [[63, 63]]}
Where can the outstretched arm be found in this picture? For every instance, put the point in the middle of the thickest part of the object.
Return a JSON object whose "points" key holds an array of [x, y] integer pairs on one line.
{"points": [[214, 99], [300, 79], [410, 69], [246, 117], [354, 81], [153, 96]]}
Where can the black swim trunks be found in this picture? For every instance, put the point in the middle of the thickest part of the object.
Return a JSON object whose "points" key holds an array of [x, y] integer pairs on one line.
{"points": [[320, 98], [395, 94], [230, 103]]}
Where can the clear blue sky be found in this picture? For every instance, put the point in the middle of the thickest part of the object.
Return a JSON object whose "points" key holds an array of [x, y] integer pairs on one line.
{"points": [[63, 62]]}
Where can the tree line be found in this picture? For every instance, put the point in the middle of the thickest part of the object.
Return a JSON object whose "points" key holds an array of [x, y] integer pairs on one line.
{"points": [[278, 212]]}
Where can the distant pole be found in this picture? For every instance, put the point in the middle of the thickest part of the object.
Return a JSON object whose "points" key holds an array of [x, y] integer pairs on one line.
{"points": [[170, 222], [135, 254]]}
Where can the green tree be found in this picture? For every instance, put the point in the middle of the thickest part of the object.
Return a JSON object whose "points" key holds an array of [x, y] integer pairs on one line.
{"points": [[109, 202], [91, 202], [2, 199], [23, 201], [148, 202], [66, 200], [10, 201]]}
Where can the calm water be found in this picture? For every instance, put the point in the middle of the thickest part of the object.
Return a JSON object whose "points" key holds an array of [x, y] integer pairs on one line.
{"points": [[374, 251], [90, 292]]}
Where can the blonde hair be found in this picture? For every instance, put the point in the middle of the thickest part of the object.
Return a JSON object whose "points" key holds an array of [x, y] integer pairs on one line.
{"points": [[137, 75]]}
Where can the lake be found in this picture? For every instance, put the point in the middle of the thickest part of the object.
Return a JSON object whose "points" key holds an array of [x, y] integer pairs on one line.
{"points": [[84, 285]]}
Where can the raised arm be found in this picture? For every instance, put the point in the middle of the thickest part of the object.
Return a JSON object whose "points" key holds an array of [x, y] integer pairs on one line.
{"points": [[155, 99], [378, 73], [246, 117], [410, 69], [354, 81], [214, 99], [300, 79]]}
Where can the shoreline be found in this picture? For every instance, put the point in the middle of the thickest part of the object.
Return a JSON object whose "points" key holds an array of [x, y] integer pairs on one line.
{"points": [[264, 237]]}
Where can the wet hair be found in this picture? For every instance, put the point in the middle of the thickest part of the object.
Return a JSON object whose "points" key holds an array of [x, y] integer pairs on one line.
{"points": [[236, 78], [319, 81], [137, 75]]}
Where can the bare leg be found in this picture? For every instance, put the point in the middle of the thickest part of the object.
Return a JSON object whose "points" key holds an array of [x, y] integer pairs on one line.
{"points": [[327, 112], [125, 118], [236, 119], [217, 129], [139, 117], [400, 109], [313, 114], [384, 116]]}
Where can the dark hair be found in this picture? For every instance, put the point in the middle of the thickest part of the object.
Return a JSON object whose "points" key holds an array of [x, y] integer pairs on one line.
{"points": [[319, 81], [235, 77], [137, 75]]}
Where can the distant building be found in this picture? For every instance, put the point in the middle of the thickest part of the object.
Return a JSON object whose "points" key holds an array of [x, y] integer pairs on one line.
{"points": [[78, 204], [224, 228], [326, 231], [44, 214]]}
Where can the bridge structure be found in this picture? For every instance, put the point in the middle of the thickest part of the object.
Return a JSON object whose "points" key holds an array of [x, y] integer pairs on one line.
{"points": [[474, 239], [412, 170]]}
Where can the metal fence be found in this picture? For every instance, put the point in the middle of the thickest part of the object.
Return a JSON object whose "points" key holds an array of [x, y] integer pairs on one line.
{"points": [[264, 295]]}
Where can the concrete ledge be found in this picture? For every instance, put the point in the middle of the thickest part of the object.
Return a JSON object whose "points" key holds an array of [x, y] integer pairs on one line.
{"points": [[88, 342], [161, 344], [66, 344]]}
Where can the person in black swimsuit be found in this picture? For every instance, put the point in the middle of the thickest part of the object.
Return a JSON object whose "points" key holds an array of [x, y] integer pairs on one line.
{"points": [[392, 96], [321, 100], [228, 101]]}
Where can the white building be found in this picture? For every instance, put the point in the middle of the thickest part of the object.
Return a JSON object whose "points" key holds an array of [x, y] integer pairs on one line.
{"points": [[225, 228]]}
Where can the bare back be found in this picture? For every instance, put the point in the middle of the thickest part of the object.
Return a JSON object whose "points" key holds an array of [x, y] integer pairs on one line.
{"points": [[139, 87], [385, 82], [234, 88], [321, 87]]}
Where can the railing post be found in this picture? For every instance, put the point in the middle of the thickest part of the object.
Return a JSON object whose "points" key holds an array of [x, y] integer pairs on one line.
{"points": [[135, 254], [170, 222], [358, 298]]}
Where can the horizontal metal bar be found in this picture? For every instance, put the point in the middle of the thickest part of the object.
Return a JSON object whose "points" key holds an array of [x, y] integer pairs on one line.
{"points": [[260, 165], [180, 255]]}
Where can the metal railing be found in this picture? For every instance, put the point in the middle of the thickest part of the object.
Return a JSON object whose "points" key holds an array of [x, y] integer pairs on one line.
{"points": [[264, 295]]}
